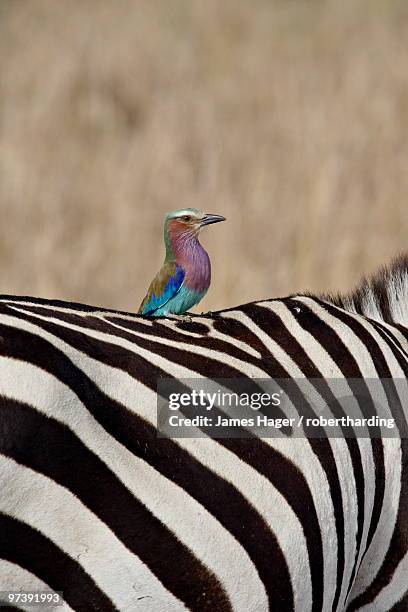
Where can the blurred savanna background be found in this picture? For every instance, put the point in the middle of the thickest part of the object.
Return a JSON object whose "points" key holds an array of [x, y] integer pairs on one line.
{"points": [[289, 117]]}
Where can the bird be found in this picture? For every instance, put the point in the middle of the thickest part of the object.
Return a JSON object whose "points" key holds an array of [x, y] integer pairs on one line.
{"points": [[185, 275]]}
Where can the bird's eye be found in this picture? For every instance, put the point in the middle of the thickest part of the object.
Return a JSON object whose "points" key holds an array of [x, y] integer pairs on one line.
{"points": [[186, 218]]}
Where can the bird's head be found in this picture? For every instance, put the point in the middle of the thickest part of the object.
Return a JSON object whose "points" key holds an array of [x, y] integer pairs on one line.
{"points": [[187, 223]]}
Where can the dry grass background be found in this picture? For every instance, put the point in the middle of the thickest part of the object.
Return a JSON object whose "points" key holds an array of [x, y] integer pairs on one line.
{"points": [[290, 117]]}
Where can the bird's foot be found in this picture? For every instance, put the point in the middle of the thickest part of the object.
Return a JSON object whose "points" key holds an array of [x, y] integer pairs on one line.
{"points": [[182, 318]]}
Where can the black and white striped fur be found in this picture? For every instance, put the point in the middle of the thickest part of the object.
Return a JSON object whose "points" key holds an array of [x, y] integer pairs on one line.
{"points": [[94, 505]]}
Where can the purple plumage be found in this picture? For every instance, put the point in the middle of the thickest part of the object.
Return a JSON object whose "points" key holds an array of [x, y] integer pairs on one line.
{"points": [[194, 260]]}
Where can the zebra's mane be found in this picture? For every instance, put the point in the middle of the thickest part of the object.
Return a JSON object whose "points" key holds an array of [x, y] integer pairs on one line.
{"points": [[382, 296]]}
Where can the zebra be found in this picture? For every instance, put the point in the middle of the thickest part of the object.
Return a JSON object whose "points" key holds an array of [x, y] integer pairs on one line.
{"points": [[96, 505]]}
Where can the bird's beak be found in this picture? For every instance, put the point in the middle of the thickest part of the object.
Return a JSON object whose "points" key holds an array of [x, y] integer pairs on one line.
{"points": [[207, 219]]}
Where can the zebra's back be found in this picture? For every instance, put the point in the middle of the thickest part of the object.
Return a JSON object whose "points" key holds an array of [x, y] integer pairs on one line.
{"points": [[99, 507]]}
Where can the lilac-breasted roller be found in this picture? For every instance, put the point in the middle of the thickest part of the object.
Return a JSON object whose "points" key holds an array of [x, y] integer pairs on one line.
{"points": [[185, 276]]}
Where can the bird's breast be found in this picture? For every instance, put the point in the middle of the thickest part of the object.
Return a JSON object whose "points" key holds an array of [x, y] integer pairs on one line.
{"points": [[198, 271]]}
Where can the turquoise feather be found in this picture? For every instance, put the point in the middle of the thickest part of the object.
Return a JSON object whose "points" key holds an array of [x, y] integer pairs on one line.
{"points": [[160, 299]]}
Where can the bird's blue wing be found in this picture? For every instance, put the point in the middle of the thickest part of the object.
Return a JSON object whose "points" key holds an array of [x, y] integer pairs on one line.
{"points": [[164, 286]]}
